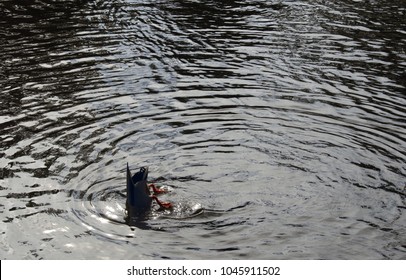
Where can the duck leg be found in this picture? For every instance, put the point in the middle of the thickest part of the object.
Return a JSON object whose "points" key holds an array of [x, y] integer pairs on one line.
{"points": [[166, 205], [156, 190]]}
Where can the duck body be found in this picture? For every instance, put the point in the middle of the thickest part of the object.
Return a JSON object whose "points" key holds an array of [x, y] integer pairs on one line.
{"points": [[139, 198]]}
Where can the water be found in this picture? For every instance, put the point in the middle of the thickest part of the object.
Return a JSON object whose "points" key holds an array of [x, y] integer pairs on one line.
{"points": [[283, 122]]}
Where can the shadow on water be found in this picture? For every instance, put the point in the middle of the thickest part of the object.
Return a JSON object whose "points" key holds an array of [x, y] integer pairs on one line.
{"points": [[287, 116]]}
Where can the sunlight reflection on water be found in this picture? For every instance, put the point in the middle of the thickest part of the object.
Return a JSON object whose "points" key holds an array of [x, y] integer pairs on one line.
{"points": [[279, 128]]}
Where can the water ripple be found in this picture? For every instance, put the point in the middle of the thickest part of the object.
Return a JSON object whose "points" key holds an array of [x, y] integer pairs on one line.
{"points": [[281, 124]]}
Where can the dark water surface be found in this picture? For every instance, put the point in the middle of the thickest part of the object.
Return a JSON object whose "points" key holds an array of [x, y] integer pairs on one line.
{"points": [[284, 120]]}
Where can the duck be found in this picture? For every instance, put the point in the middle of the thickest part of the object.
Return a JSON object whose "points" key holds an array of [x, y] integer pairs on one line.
{"points": [[140, 194]]}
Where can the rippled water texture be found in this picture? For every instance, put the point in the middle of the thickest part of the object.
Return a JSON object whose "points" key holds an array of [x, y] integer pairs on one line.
{"points": [[278, 126]]}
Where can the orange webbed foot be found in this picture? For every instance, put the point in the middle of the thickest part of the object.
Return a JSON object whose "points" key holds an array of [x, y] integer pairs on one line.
{"points": [[156, 190], [165, 205]]}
